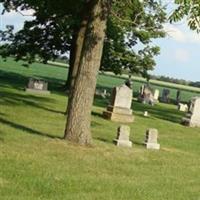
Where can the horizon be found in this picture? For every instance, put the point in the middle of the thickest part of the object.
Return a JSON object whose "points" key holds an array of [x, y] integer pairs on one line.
{"points": [[179, 49]]}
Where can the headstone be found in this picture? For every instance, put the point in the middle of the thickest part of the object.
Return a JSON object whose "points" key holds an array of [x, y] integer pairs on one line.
{"points": [[102, 93], [129, 82], [38, 86], [192, 118], [178, 96], [182, 107], [146, 95], [156, 95], [122, 139], [151, 140], [146, 114], [165, 96], [120, 106]]}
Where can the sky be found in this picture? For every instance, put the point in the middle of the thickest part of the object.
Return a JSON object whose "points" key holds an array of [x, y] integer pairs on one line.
{"points": [[180, 50]]}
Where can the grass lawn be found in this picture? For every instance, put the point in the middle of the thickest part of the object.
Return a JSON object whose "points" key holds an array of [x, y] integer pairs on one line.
{"points": [[35, 163]]}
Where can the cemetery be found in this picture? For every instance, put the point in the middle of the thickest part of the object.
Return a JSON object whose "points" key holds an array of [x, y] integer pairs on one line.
{"points": [[121, 154], [99, 100]]}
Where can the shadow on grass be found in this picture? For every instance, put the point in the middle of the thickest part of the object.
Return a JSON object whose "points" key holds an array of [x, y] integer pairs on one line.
{"points": [[28, 130], [11, 98], [96, 114], [2, 114], [104, 140], [1, 139], [19, 81], [138, 143], [159, 111]]}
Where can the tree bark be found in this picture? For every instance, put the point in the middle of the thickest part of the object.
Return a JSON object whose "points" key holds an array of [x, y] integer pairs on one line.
{"points": [[79, 112], [75, 52]]}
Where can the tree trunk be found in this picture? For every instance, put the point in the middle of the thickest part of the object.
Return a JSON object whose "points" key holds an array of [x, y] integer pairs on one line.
{"points": [[79, 112], [71, 61], [75, 52]]}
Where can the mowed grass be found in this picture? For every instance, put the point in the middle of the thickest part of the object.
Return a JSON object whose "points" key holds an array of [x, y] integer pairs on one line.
{"points": [[36, 163]]}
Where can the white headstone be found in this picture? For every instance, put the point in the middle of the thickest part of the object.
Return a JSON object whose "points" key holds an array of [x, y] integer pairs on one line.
{"points": [[146, 114], [156, 94], [193, 116], [182, 107], [38, 85], [120, 106], [123, 133], [122, 97], [151, 139]]}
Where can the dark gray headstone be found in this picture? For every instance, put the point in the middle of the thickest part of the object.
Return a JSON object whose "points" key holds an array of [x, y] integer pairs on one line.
{"points": [[165, 96], [37, 85]]}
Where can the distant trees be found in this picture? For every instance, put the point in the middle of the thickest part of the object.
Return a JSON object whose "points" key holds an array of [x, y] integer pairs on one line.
{"points": [[88, 30]]}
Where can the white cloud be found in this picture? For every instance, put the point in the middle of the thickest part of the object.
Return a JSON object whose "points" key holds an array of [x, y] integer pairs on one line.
{"points": [[182, 34], [182, 55], [15, 18]]}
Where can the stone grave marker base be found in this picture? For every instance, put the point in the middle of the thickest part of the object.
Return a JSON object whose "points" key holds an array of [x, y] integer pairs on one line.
{"points": [[37, 91], [118, 117], [152, 146], [123, 143]]}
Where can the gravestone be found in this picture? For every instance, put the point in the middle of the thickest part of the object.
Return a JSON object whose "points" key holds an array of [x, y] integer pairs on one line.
{"points": [[122, 139], [120, 106], [146, 95], [156, 95], [151, 140], [146, 114], [38, 86], [192, 118], [178, 96], [182, 107], [165, 96], [102, 93], [129, 82]]}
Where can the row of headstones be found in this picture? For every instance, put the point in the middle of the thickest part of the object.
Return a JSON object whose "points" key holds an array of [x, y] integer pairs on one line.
{"points": [[147, 95], [120, 107], [151, 138], [150, 96], [120, 110]]}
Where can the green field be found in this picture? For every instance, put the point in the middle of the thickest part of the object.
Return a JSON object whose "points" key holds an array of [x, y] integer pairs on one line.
{"points": [[35, 163]]}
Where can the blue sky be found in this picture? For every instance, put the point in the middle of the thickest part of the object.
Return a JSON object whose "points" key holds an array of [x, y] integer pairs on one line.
{"points": [[179, 58]]}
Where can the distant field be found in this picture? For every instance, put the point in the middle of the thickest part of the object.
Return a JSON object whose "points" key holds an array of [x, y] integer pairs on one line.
{"points": [[56, 74], [109, 79]]}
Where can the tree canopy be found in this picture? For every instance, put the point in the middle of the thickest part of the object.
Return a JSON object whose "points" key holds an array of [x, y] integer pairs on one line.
{"points": [[190, 10], [49, 34]]}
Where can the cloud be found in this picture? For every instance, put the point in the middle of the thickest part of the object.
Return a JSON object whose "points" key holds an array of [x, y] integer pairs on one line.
{"points": [[15, 18], [182, 34], [182, 55]]}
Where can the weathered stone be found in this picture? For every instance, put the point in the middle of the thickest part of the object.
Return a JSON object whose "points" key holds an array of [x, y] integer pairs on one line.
{"points": [[120, 106], [182, 107], [146, 114], [146, 95], [122, 139], [156, 95], [178, 96], [192, 118], [165, 96], [37, 86], [151, 139]]}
